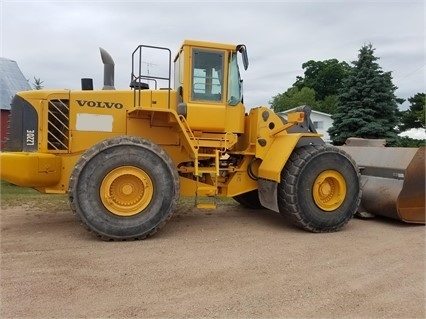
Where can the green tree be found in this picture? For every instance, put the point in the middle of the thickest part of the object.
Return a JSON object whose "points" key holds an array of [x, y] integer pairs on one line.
{"points": [[37, 84], [409, 142], [325, 77], [318, 87], [367, 105], [328, 105], [293, 97], [414, 117]]}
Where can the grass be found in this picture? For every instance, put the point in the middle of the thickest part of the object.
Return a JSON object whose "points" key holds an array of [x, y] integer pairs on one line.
{"points": [[12, 195]]}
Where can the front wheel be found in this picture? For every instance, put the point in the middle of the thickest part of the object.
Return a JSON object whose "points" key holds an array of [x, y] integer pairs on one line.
{"points": [[124, 188], [319, 189]]}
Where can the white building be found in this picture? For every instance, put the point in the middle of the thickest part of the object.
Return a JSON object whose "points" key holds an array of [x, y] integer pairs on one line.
{"points": [[322, 122]]}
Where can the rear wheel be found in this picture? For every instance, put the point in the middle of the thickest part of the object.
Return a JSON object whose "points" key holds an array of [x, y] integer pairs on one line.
{"points": [[249, 199], [124, 188], [319, 189]]}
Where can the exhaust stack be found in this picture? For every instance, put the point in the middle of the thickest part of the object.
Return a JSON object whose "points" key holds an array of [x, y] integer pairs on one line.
{"points": [[108, 70]]}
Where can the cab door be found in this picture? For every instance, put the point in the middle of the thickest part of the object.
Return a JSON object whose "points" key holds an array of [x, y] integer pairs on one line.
{"points": [[207, 104]]}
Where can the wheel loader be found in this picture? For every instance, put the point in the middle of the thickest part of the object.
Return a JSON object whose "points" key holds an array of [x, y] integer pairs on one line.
{"points": [[126, 156]]}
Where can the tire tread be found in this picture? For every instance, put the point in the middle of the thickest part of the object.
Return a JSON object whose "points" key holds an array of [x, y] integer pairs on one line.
{"points": [[107, 144], [287, 188]]}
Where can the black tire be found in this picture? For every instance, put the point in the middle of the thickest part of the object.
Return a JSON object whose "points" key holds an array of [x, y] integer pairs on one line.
{"points": [[301, 197], [144, 195], [249, 199]]}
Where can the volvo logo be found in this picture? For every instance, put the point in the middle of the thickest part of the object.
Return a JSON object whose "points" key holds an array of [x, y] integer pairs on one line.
{"points": [[100, 104]]}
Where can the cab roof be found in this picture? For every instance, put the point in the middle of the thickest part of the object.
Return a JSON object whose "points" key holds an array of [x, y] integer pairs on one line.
{"points": [[209, 45]]}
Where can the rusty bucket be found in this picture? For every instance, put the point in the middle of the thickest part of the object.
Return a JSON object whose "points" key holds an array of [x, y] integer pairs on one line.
{"points": [[392, 179]]}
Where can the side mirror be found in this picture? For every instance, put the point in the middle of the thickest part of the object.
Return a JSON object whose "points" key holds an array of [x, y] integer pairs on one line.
{"points": [[243, 50]]}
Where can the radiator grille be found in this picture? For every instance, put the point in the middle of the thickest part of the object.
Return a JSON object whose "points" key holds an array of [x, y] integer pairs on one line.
{"points": [[58, 125]]}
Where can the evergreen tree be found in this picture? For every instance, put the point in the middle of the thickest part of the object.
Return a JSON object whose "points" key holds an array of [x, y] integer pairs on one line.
{"points": [[367, 105], [414, 117], [37, 84]]}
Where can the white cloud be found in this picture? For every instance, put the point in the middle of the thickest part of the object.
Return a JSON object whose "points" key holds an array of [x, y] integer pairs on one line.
{"points": [[58, 41]]}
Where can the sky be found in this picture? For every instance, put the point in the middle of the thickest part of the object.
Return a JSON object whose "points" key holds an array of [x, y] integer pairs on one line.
{"points": [[58, 41]]}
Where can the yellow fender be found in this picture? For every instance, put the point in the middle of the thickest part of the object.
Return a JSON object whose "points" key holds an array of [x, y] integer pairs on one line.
{"points": [[277, 155], [269, 173]]}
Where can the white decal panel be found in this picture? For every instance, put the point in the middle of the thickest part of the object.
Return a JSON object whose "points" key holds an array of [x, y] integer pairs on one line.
{"points": [[94, 122]]}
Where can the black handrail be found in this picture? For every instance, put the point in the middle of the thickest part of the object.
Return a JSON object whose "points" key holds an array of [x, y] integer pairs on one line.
{"points": [[136, 77]]}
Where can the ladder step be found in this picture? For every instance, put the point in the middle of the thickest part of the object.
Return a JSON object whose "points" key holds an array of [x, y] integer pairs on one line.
{"points": [[207, 155], [206, 191], [211, 170], [206, 196], [206, 188], [206, 205]]}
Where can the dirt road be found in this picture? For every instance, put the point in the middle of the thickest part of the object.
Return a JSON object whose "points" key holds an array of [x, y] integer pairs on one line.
{"points": [[229, 263]]}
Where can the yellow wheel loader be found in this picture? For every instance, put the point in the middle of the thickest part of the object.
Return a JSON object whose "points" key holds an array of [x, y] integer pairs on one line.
{"points": [[125, 156]]}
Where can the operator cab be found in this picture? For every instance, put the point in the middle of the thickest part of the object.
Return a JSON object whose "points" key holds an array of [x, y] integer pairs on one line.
{"points": [[210, 86]]}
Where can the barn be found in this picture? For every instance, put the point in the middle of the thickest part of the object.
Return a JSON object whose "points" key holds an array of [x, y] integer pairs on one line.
{"points": [[11, 81]]}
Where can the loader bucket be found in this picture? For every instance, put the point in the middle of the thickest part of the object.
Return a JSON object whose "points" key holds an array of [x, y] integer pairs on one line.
{"points": [[392, 180]]}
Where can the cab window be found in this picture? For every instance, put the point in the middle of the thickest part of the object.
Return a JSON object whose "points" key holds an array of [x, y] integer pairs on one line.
{"points": [[207, 75], [234, 82]]}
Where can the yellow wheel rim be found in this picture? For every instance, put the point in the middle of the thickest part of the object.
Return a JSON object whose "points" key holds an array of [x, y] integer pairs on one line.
{"points": [[329, 190], [126, 191]]}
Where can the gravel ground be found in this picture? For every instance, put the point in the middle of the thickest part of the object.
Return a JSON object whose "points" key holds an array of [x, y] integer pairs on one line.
{"points": [[227, 263]]}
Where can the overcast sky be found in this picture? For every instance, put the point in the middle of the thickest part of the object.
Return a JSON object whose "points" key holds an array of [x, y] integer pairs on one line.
{"points": [[58, 41]]}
